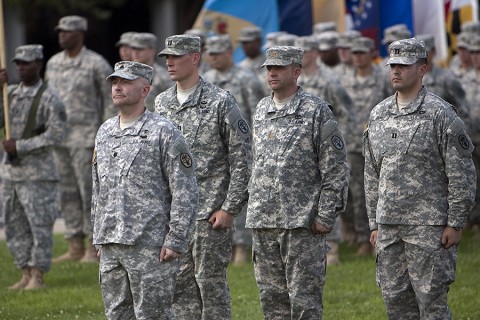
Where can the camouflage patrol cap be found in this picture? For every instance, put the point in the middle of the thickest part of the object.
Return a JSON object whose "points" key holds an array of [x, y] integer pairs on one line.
{"points": [[321, 27], [143, 40], [125, 39], [327, 40], [28, 53], [271, 38], [286, 39], [72, 23], [474, 43], [219, 43], [346, 38], [198, 32], [307, 43], [363, 44], [471, 26], [406, 51], [428, 40], [181, 44], [396, 32], [462, 40], [283, 56], [132, 70], [250, 33]]}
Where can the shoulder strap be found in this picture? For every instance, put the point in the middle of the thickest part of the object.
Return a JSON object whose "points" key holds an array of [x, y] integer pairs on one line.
{"points": [[28, 132]]}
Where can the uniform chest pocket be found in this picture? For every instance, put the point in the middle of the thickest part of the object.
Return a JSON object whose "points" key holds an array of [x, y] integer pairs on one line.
{"points": [[128, 156], [417, 138]]}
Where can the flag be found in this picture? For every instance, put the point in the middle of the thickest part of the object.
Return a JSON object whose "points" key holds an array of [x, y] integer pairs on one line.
{"points": [[294, 16], [229, 16], [372, 17], [458, 12]]}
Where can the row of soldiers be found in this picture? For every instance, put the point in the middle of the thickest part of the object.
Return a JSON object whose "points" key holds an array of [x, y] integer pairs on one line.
{"points": [[337, 67]]}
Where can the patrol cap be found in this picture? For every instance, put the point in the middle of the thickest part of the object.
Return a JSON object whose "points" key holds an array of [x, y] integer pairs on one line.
{"points": [[286, 39], [132, 70], [271, 39], [396, 32], [283, 56], [406, 51], [125, 39], [219, 43], [346, 38], [72, 23], [474, 43], [182, 44], [198, 32], [28, 53], [463, 39], [428, 40], [307, 43], [327, 40], [471, 26], [143, 40], [321, 27], [363, 44], [250, 33]]}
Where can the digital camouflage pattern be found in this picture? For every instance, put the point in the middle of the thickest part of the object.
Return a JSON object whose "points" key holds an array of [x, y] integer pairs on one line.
{"points": [[132, 70], [28, 53], [30, 191], [410, 137], [283, 56], [144, 185], [179, 45], [72, 23], [135, 284], [300, 172], [220, 141], [161, 82], [242, 84], [406, 51]]}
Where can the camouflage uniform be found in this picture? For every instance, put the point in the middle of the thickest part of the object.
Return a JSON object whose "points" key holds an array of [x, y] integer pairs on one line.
{"points": [[366, 92], [424, 144], [298, 152], [30, 182], [161, 82], [145, 197], [80, 82], [219, 138], [471, 83]]}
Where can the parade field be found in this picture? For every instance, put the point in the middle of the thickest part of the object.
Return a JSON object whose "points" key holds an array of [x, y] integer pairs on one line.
{"points": [[350, 291]]}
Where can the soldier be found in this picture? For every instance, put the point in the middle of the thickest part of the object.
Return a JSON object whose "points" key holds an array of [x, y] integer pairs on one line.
{"points": [[124, 49], [367, 86], [443, 82], [78, 74], [143, 46], [30, 179], [461, 62], [140, 153], [328, 50], [471, 83], [297, 189], [344, 46], [204, 65], [251, 41], [219, 138], [320, 81], [420, 187], [242, 83]]}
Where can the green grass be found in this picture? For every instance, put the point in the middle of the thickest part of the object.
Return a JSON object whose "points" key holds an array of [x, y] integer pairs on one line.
{"points": [[350, 291]]}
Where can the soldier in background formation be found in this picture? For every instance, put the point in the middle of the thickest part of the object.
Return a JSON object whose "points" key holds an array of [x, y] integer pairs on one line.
{"points": [[344, 46], [415, 139], [461, 61], [251, 41], [139, 155], [144, 50], [78, 74], [30, 179], [123, 45], [367, 86], [220, 140], [297, 189]]}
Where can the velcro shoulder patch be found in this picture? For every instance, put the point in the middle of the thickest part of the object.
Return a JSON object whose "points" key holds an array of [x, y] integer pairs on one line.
{"points": [[460, 138], [180, 152], [330, 131], [237, 122]]}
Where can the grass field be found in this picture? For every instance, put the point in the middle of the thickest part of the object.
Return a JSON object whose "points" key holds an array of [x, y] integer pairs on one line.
{"points": [[350, 291]]}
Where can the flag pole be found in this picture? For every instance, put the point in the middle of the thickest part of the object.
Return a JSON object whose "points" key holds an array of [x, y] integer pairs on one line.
{"points": [[3, 64]]}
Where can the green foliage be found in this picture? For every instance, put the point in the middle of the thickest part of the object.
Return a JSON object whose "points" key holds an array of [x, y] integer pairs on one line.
{"points": [[350, 291]]}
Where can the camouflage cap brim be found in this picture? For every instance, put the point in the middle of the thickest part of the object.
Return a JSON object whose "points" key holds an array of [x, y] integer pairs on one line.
{"points": [[172, 52], [402, 60], [276, 62], [123, 75]]}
